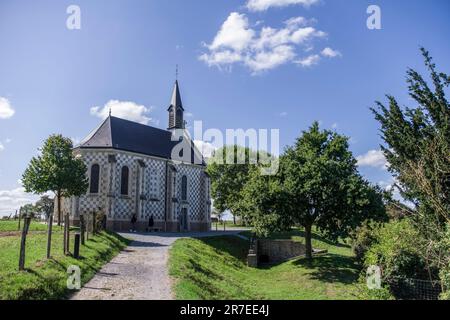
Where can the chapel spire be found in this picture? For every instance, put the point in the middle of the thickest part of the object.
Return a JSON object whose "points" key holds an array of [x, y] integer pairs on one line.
{"points": [[176, 109]]}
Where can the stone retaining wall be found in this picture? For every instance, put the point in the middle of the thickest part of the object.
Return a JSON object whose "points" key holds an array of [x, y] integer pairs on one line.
{"points": [[273, 251]]}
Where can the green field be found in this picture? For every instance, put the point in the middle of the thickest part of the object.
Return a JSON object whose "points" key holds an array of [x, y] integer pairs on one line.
{"points": [[13, 225], [215, 268], [46, 279]]}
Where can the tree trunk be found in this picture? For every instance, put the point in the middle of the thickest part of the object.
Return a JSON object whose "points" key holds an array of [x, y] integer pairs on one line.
{"points": [[308, 242], [49, 235], [234, 219]]}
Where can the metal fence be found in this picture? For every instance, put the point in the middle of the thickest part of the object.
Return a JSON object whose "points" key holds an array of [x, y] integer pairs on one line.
{"points": [[414, 289]]}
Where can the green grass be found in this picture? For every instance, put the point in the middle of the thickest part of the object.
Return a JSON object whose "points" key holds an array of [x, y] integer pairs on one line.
{"points": [[46, 279], [215, 268], [12, 225]]}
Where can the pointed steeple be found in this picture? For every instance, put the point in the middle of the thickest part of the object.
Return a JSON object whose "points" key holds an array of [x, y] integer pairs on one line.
{"points": [[176, 97], [176, 109]]}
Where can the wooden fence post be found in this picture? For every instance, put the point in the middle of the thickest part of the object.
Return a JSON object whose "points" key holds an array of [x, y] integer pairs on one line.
{"points": [[67, 234], [23, 241], [82, 229], [64, 235], [76, 248], [49, 235]]}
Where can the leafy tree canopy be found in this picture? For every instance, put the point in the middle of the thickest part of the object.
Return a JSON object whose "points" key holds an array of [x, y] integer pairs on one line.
{"points": [[418, 141], [318, 184], [229, 171], [56, 169]]}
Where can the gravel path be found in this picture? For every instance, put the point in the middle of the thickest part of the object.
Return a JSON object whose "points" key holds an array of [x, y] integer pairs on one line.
{"points": [[139, 272]]}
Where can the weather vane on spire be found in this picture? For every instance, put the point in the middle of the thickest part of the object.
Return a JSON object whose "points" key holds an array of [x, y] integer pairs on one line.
{"points": [[176, 72]]}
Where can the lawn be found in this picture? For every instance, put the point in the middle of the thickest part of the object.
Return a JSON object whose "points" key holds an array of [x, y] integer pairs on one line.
{"points": [[46, 279], [215, 268], [12, 225]]}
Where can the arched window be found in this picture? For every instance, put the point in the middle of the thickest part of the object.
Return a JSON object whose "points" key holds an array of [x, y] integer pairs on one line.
{"points": [[184, 188], [95, 179], [124, 181]]}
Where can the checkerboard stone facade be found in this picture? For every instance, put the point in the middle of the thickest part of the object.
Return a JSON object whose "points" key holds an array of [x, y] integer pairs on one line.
{"points": [[154, 190]]}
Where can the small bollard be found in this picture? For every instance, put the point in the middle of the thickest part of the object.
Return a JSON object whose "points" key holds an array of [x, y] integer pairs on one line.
{"points": [[76, 246]]}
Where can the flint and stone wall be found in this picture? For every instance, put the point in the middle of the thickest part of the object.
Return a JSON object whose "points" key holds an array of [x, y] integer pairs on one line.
{"points": [[149, 192]]}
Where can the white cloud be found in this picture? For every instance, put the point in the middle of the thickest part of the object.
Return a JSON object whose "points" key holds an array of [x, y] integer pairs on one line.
{"points": [[283, 114], [262, 5], [334, 125], [2, 147], [268, 48], [6, 110], [235, 33], [309, 61], [123, 109], [330, 53], [266, 60], [11, 200], [373, 158], [205, 148], [188, 114]]}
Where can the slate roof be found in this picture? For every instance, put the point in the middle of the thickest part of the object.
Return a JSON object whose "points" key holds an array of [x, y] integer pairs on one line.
{"points": [[125, 135]]}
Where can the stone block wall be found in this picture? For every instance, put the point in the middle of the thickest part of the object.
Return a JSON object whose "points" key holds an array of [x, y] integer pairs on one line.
{"points": [[273, 251]]}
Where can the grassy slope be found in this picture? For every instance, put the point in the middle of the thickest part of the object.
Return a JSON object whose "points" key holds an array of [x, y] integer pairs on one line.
{"points": [[215, 268], [46, 279]]}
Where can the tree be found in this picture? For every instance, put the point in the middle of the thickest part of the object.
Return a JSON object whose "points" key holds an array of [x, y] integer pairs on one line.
{"points": [[318, 185], [417, 147], [228, 179], [57, 170], [45, 206], [29, 209], [418, 141]]}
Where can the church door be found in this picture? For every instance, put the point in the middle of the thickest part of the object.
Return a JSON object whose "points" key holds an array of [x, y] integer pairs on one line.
{"points": [[184, 220]]}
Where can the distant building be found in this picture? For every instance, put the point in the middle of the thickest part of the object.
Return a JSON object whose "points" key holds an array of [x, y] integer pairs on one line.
{"points": [[134, 169]]}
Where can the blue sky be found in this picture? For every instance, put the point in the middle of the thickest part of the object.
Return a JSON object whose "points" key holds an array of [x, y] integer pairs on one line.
{"points": [[257, 64]]}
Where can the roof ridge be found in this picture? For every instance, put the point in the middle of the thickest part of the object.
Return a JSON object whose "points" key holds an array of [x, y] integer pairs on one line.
{"points": [[140, 124]]}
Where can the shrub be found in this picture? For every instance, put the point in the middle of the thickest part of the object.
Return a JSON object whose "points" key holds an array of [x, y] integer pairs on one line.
{"points": [[396, 251], [363, 239], [445, 278], [375, 294], [444, 274]]}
